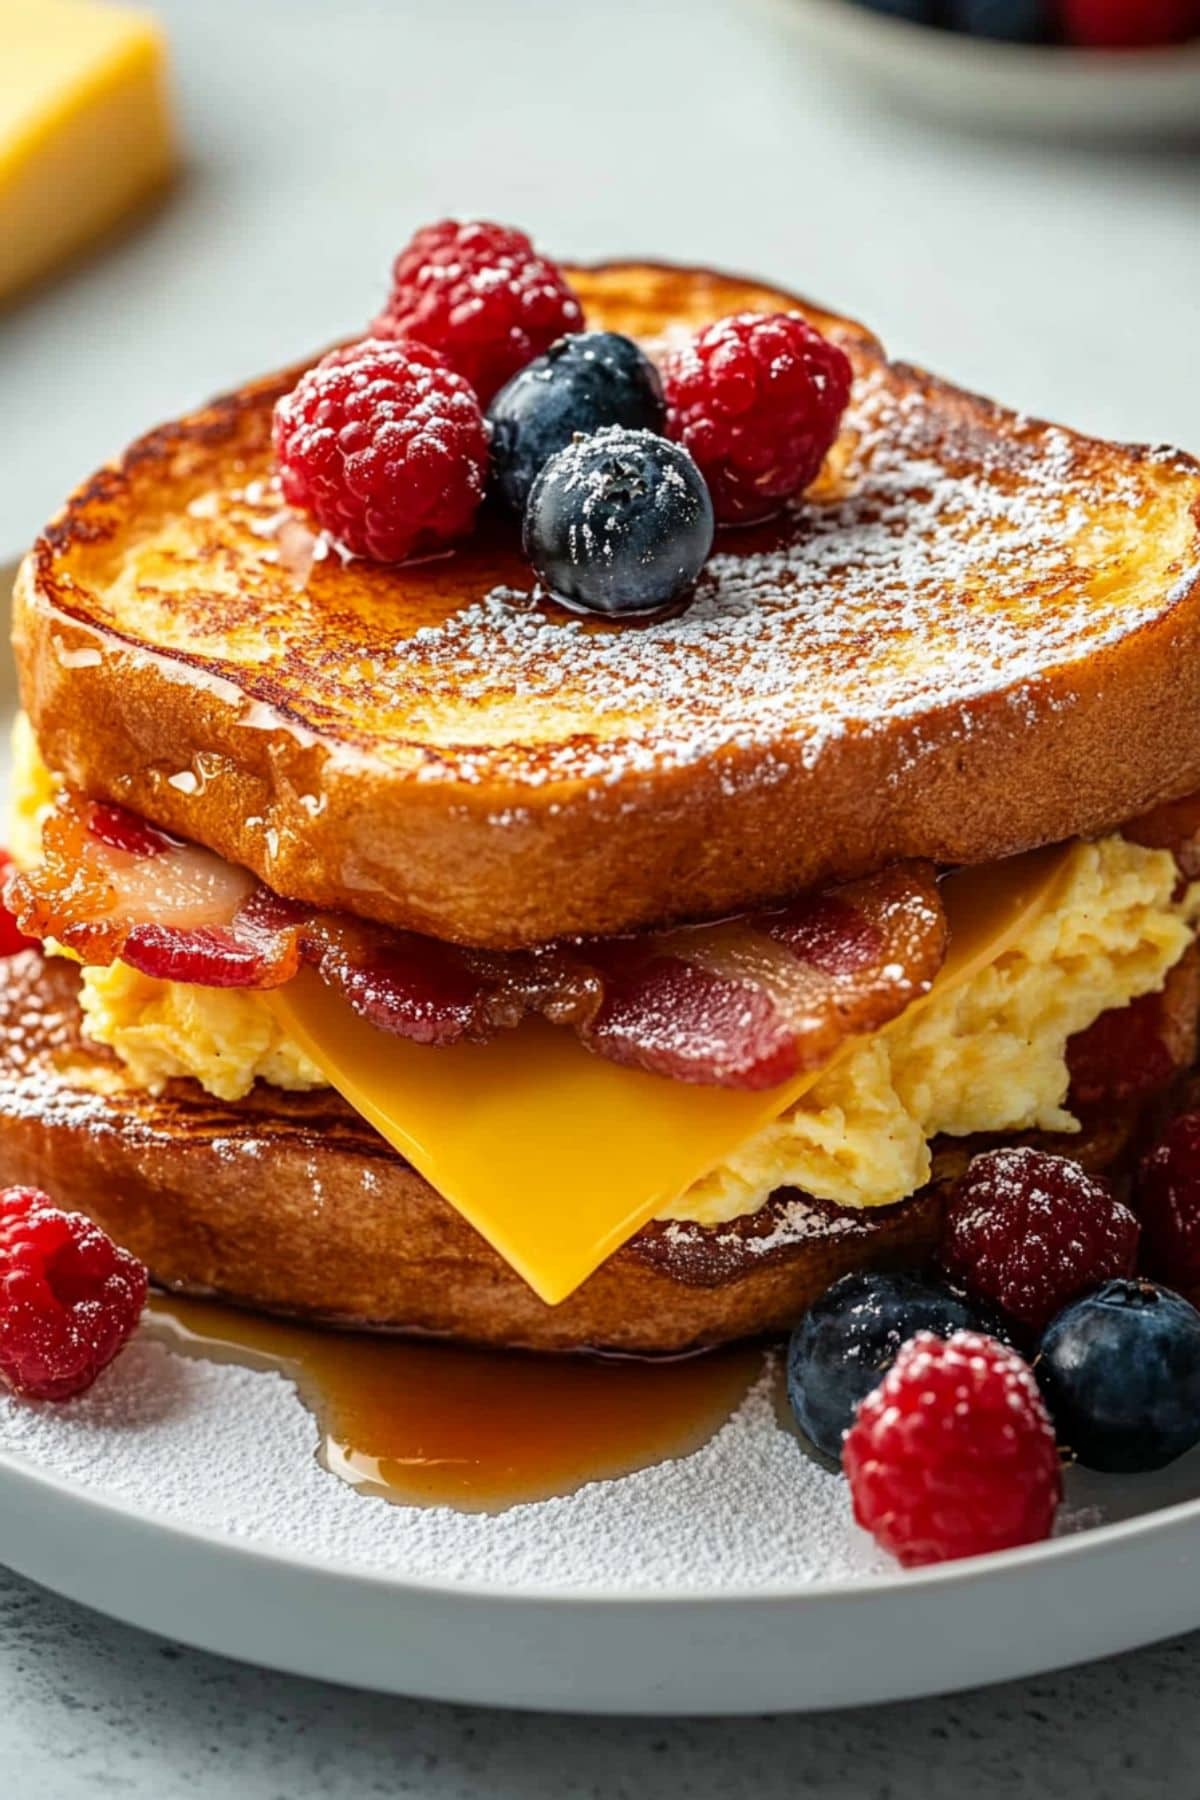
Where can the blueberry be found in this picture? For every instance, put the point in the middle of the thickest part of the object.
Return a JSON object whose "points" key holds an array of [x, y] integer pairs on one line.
{"points": [[1120, 1372], [581, 384], [848, 1340], [619, 523], [1018, 21]]}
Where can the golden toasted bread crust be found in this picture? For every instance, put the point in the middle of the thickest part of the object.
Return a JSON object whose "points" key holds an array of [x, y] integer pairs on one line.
{"points": [[291, 1203], [977, 634]]}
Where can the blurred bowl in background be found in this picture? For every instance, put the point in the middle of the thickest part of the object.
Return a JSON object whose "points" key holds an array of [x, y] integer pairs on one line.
{"points": [[1042, 89]]}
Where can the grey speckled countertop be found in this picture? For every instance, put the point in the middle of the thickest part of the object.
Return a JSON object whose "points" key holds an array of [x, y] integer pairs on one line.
{"points": [[319, 134], [89, 1709]]}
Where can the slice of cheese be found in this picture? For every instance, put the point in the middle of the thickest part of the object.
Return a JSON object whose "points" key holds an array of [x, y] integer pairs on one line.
{"points": [[85, 127], [557, 1157]]}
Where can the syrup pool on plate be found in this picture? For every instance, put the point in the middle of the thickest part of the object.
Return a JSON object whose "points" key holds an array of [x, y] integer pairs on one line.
{"points": [[441, 1425]]}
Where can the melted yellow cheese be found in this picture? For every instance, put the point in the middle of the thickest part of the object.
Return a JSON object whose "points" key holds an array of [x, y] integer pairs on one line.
{"points": [[556, 1156], [85, 129]]}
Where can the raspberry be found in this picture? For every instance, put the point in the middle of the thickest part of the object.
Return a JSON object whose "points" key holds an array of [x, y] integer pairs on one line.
{"points": [[1168, 1203], [757, 398], [1128, 1052], [953, 1454], [1028, 1232], [1129, 24], [386, 446], [69, 1297], [480, 294], [12, 939]]}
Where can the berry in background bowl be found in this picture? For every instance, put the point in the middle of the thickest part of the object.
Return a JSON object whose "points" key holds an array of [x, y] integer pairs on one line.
{"points": [[1090, 69], [1128, 24], [1095, 24]]}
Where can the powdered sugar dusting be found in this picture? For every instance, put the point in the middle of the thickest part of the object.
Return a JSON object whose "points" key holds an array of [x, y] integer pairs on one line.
{"points": [[231, 1450], [796, 1220], [933, 579], [946, 556], [37, 1048]]}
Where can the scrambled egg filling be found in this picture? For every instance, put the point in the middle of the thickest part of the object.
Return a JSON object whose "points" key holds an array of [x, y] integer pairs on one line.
{"points": [[988, 1055], [226, 1038]]}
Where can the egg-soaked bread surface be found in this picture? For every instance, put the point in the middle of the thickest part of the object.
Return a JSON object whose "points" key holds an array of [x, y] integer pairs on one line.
{"points": [[976, 633]]}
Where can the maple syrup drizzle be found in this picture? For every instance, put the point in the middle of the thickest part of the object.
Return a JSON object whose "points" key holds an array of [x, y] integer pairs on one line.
{"points": [[441, 1425]]}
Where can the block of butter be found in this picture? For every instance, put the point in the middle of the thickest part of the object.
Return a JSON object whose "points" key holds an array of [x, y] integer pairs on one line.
{"points": [[85, 127]]}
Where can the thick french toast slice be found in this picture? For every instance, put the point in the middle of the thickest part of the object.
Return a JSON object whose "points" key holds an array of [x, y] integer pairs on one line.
{"points": [[977, 633]]}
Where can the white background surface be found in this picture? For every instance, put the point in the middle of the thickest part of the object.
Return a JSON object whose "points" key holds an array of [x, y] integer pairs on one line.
{"points": [[1062, 279], [91, 1711]]}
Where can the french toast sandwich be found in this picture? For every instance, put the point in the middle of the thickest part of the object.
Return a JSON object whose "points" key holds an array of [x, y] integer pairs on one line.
{"points": [[439, 958]]}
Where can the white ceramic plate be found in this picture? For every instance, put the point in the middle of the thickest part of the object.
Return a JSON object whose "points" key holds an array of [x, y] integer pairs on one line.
{"points": [[183, 1496], [1023, 88]]}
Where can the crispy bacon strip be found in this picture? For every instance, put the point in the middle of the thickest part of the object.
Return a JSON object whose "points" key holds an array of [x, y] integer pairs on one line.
{"points": [[746, 1003], [111, 886], [754, 1001], [437, 993]]}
